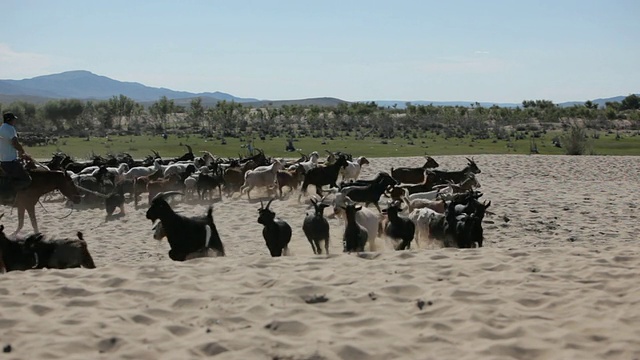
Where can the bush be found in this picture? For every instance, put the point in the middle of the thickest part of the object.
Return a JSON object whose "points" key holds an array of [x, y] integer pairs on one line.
{"points": [[575, 141]]}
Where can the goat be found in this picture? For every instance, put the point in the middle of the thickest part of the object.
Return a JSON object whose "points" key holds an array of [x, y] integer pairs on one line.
{"points": [[185, 235], [323, 175], [59, 253], [445, 192], [311, 163], [291, 177], [276, 232], [457, 176], [233, 179], [316, 227], [438, 206], [353, 168], [13, 255], [261, 176], [368, 218], [138, 171], [179, 168], [398, 227], [117, 172], [409, 175], [355, 235], [371, 193], [206, 183], [429, 224]]}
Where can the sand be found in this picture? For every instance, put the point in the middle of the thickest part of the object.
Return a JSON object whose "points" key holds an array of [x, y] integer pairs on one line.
{"points": [[559, 280]]}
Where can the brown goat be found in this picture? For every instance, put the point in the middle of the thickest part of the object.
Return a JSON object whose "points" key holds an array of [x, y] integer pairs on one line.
{"points": [[408, 175], [291, 178]]}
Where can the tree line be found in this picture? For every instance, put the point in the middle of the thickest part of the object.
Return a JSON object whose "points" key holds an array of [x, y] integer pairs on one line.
{"points": [[230, 119]]}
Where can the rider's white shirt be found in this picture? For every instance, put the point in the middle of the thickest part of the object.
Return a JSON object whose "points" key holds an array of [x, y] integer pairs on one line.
{"points": [[7, 151]]}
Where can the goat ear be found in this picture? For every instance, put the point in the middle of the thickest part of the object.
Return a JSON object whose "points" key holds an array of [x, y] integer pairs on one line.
{"points": [[358, 208], [487, 204]]}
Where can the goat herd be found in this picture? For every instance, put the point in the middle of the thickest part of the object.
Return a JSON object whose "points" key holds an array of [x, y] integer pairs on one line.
{"points": [[424, 204]]}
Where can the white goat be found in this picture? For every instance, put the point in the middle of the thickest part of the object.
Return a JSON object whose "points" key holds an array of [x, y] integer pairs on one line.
{"points": [[309, 164], [446, 192], [368, 218], [118, 172], [422, 218], [138, 171], [353, 168], [190, 184], [176, 168], [261, 176]]}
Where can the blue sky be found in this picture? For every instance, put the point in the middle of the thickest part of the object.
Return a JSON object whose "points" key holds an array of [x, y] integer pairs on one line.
{"points": [[494, 51]]}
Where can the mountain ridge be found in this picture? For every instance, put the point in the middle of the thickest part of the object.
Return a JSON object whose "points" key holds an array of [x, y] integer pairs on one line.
{"points": [[85, 85]]}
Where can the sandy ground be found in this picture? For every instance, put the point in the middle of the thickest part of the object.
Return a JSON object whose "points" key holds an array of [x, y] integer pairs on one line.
{"points": [[558, 281]]}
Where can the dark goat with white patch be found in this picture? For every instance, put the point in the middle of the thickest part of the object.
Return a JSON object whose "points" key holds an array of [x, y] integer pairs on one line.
{"points": [[59, 253], [323, 175], [276, 232], [316, 227], [398, 227], [185, 235], [355, 235]]}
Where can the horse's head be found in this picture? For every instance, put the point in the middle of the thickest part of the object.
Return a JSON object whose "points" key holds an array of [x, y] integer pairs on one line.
{"points": [[68, 188]]}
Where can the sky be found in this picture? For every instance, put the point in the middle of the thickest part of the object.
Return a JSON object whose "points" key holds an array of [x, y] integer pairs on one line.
{"points": [[458, 50]]}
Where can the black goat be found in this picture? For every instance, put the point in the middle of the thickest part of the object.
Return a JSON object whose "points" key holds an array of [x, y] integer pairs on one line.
{"points": [[185, 235], [399, 227], [316, 228], [13, 254], [323, 175], [205, 183], [370, 194], [355, 235], [276, 232], [59, 253]]}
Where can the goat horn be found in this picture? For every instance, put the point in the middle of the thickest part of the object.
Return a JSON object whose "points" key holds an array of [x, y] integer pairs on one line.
{"points": [[189, 148], [165, 194], [261, 205], [269, 203], [1, 215]]}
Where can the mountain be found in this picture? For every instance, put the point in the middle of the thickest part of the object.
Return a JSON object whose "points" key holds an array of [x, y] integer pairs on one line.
{"points": [[86, 85]]}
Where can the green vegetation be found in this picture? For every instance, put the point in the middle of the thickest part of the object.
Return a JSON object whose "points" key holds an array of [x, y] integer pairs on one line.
{"points": [[140, 146], [539, 126]]}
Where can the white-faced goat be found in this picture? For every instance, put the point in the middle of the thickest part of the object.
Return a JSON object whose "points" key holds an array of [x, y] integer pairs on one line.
{"points": [[185, 235], [368, 218], [276, 232], [355, 235], [264, 176], [398, 228], [59, 253], [352, 171], [316, 228]]}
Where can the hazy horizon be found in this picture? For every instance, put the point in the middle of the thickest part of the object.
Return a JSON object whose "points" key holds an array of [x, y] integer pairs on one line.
{"points": [[493, 51]]}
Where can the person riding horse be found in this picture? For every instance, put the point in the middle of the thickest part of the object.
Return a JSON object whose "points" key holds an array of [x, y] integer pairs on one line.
{"points": [[15, 176]]}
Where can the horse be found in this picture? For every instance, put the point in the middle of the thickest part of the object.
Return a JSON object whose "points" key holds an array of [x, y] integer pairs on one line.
{"points": [[42, 182]]}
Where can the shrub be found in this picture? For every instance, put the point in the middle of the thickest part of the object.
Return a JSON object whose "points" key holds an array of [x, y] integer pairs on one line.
{"points": [[575, 140]]}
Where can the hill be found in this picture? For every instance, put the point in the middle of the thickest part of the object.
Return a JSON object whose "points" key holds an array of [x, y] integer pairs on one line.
{"points": [[85, 85]]}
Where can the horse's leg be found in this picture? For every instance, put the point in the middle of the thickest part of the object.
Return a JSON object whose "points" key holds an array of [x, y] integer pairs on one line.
{"points": [[20, 220], [32, 216]]}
